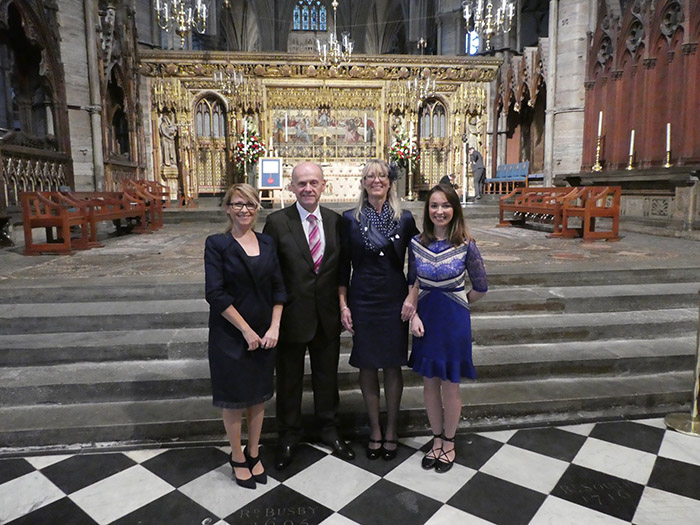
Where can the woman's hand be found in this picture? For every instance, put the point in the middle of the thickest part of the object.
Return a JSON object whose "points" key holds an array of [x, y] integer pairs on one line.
{"points": [[346, 320], [408, 308], [271, 337], [252, 339], [417, 326]]}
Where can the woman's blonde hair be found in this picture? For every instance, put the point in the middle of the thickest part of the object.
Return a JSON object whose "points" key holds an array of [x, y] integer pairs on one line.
{"points": [[392, 196], [244, 190]]}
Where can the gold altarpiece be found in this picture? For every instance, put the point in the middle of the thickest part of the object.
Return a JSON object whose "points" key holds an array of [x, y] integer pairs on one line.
{"points": [[337, 116]]}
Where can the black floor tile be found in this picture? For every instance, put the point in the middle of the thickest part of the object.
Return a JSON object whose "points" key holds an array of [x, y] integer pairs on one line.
{"points": [[281, 505], [551, 442], [174, 509], [599, 491], [634, 435], [304, 456], [77, 472], [14, 468], [677, 477], [379, 466], [473, 450], [497, 500], [182, 465], [385, 502], [63, 512]]}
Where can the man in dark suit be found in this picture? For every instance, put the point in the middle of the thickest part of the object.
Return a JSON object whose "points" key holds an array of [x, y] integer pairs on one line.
{"points": [[478, 170], [307, 240]]}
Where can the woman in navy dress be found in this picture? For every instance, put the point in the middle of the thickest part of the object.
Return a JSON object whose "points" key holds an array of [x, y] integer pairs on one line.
{"points": [[375, 305], [245, 292], [445, 259]]}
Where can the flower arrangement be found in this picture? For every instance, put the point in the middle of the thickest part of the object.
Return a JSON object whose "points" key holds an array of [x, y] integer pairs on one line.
{"points": [[403, 149], [249, 148]]}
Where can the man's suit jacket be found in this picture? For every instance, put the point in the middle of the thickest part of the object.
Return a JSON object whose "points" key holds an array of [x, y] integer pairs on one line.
{"points": [[312, 299]]}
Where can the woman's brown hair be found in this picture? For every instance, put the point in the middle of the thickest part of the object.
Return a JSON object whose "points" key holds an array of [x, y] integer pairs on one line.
{"points": [[457, 231]]}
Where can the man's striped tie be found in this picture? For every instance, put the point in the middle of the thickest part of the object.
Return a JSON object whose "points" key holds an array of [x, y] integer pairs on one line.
{"points": [[315, 242]]}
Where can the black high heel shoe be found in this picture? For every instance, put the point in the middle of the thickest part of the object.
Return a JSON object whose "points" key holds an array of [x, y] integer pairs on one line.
{"points": [[443, 462], [252, 461], [429, 460], [245, 483], [388, 455], [374, 453]]}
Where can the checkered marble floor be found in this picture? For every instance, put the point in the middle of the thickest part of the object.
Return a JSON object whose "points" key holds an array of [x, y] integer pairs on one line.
{"points": [[600, 473]]}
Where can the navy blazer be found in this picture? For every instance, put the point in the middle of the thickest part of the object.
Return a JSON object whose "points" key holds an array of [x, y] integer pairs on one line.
{"points": [[252, 288], [354, 248]]}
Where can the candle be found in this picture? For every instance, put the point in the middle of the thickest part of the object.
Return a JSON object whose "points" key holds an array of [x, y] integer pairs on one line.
{"points": [[365, 127], [600, 123], [631, 143], [668, 136], [245, 136], [272, 145], [286, 133]]}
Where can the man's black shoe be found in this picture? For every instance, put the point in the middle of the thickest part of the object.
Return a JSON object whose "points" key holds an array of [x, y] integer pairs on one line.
{"points": [[342, 449], [283, 456]]}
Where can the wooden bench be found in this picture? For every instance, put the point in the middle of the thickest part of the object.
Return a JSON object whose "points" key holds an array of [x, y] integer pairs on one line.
{"points": [[157, 189], [110, 206], [508, 177], [39, 211], [154, 203], [535, 204], [588, 204]]}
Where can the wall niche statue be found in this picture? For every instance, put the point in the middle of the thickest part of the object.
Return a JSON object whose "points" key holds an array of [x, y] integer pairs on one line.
{"points": [[168, 132]]}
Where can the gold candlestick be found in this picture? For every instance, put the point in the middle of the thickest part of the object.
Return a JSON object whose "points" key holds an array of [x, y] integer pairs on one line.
{"points": [[410, 196], [597, 166], [668, 159], [629, 164]]}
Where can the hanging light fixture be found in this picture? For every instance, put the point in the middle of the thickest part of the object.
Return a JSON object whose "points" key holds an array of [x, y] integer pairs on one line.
{"points": [[335, 52], [183, 16], [228, 82], [487, 19]]}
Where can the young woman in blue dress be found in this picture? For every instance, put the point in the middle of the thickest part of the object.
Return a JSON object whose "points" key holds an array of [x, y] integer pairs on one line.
{"points": [[449, 276]]}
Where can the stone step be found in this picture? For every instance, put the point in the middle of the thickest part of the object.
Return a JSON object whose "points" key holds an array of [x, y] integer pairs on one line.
{"points": [[154, 288], [487, 404], [41, 341], [81, 382]]}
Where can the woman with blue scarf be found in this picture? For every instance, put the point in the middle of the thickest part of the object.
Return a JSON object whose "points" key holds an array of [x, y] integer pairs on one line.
{"points": [[375, 305]]}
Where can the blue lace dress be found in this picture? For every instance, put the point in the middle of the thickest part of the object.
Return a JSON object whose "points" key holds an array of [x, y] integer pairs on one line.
{"points": [[442, 270]]}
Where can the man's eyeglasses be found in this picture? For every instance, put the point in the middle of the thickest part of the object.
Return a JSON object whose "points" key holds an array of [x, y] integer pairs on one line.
{"points": [[238, 206]]}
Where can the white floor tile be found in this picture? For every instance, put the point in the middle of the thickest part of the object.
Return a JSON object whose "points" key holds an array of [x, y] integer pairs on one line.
{"points": [[338, 519], [451, 516], [657, 422], [26, 494], [499, 435], [332, 482], [218, 492], [680, 447], [659, 506], [416, 441], [144, 455], [556, 511], [525, 468], [623, 462], [120, 494], [584, 429], [441, 487], [40, 462]]}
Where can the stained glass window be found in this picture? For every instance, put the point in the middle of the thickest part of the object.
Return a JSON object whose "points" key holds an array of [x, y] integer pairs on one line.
{"points": [[310, 15]]}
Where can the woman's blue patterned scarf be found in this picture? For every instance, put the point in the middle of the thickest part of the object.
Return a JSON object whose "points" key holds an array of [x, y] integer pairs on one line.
{"points": [[377, 228]]}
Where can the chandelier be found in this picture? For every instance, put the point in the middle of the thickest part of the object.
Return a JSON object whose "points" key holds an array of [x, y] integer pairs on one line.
{"points": [[419, 90], [487, 19], [335, 52], [182, 16], [228, 82]]}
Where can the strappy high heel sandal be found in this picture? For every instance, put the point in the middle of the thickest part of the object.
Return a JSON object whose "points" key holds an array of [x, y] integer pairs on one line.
{"points": [[374, 453], [443, 462], [245, 483], [430, 459], [252, 461]]}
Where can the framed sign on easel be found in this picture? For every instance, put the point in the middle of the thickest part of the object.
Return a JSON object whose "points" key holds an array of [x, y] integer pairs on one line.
{"points": [[270, 178]]}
